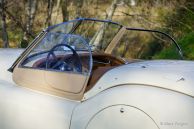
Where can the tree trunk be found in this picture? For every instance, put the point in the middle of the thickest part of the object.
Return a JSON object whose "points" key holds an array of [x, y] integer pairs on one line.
{"points": [[57, 10], [99, 35], [112, 9], [49, 12], [64, 10], [133, 2], [79, 4], [3, 22], [31, 7], [31, 11]]}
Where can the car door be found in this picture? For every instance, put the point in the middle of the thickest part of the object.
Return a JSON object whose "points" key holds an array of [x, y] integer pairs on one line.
{"points": [[55, 64]]}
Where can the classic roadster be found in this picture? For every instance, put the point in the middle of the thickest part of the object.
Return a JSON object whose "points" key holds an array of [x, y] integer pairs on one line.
{"points": [[84, 74]]}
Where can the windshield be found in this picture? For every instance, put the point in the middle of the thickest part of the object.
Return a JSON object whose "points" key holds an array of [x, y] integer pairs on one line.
{"points": [[97, 34], [109, 37], [85, 35]]}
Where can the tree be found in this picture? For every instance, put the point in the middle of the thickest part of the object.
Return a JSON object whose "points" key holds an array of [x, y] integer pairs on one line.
{"points": [[31, 7], [31, 11], [3, 22], [99, 35], [49, 12], [64, 4], [79, 4]]}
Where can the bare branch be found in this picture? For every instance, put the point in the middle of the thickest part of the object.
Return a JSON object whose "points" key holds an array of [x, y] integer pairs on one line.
{"points": [[19, 23]]}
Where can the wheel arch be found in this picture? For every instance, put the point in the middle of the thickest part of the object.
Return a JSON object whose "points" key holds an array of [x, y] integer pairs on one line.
{"points": [[132, 110]]}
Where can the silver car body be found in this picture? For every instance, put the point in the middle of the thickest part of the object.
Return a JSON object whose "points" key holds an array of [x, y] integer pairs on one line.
{"points": [[156, 94]]}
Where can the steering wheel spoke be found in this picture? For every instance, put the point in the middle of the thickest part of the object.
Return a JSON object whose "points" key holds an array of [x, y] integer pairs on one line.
{"points": [[57, 63]]}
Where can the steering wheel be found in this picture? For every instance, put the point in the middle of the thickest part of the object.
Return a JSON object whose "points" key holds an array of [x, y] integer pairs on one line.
{"points": [[72, 63]]}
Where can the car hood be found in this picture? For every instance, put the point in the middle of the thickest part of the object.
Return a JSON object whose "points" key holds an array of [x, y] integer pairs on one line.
{"points": [[168, 74], [7, 58]]}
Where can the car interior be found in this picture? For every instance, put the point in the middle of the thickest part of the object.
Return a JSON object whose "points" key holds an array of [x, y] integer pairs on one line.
{"points": [[101, 64]]}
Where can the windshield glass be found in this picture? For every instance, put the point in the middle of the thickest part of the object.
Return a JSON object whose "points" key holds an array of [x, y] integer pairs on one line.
{"points": [[91, 35], [69, 46], [130, 44], [97, 34]]}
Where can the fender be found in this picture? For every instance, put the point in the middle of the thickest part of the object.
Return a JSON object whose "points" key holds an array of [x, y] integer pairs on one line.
{"points": [[155, 73], [165, 106]]}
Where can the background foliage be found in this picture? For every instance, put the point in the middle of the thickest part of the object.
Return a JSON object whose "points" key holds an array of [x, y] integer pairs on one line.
{"points": [[24, 19]]}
